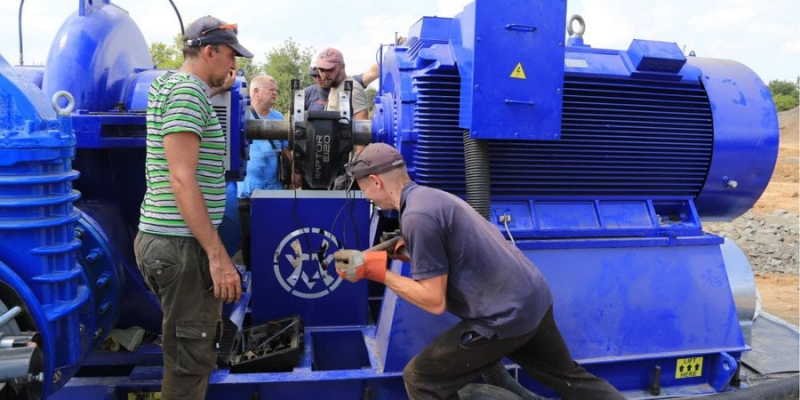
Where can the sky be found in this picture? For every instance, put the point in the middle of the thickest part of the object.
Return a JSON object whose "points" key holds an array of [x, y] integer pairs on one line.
{"points": [[761, 34]]}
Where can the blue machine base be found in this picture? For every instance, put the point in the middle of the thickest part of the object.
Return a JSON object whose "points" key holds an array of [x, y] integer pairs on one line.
{"points": [[307, 380]]}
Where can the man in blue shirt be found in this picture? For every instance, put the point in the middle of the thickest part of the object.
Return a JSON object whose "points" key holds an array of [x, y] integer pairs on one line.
{"points": [[461, 263], [262, 166]]}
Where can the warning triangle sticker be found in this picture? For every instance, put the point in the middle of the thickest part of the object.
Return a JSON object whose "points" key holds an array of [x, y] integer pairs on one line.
{"points": [[518, 72]]}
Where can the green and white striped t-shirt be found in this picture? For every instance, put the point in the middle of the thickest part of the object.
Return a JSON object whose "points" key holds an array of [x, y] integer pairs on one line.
{"points": [[179, 103]]}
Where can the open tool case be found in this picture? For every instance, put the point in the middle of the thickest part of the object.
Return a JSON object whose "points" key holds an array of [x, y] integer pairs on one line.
{"points": [[274, 346]]}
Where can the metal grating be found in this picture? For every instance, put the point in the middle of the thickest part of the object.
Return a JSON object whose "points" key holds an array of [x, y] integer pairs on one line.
{"points": [[439, 154], [222, 115], [619, 137]]}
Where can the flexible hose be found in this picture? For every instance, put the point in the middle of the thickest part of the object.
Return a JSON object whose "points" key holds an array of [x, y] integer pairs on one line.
{"points": [[782, 389], [476, 173], [497, 375]]}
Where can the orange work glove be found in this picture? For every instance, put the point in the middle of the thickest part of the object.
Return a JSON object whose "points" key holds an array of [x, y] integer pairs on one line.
{"points": [[355, 265], [399, 251]]}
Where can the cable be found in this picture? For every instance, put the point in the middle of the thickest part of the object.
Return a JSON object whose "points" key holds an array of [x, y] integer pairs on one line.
{"points": [[19, 22], [504, 219], [180, 20], [298, 223], [349, 195]]}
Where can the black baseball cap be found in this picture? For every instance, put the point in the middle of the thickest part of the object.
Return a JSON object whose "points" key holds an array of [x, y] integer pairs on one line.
{"points": [[374, 159], [209, 30]]}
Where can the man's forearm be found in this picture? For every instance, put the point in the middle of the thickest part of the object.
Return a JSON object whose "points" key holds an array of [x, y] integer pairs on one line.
{"points": [[424, 296], [193, 210]]}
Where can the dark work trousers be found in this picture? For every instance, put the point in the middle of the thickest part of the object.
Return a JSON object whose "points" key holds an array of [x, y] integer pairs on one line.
{"points": [[244, 230], [176, 269], [458, 356]]}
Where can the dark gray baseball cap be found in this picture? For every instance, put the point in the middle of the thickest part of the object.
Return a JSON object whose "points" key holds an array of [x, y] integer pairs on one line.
{"points": [[209, 30], [375, 159]]}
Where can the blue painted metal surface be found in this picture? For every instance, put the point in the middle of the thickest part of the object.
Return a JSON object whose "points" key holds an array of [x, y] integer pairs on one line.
{"points": [[507, 93], [34, 73], [229, 229], [101, 44], [38, 247], [606, 161], [293, 268]]}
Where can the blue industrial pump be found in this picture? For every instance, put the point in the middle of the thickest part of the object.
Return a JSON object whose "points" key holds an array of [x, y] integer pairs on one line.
{"points": [[598, 164]]}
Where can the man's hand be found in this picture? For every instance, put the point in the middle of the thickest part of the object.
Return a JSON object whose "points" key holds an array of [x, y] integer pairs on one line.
{"points": [[399, 251], [355, 265], [297, 181], [229, 80], [227, 283], [389, 235]]}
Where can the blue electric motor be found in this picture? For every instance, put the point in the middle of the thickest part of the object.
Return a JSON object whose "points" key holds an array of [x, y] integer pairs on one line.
{"points": [[599, 164]]}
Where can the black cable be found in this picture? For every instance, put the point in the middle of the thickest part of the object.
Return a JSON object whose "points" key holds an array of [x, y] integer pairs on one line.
{"points": [[336, 218], [355, 225], [180, 20], [19, 26], [298, 223]]}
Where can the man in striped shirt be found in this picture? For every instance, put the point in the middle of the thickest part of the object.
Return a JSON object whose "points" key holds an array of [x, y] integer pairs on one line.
{"points": [[177, 248]]}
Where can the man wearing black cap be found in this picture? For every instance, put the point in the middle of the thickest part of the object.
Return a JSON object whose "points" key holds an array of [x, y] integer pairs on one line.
{"points": [[177, 248], [462, 264]]}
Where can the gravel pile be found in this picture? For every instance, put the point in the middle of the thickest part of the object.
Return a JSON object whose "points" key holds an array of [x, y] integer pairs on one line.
{"points": [[770, 241]]}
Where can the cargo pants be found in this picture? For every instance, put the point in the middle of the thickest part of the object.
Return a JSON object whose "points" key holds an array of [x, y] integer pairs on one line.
{"points": [[458, 356], [176, 269]]}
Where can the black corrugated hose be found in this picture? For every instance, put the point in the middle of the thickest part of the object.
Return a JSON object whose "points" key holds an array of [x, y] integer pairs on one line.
{"points": [[476, 174], [497, 375], [781, 389]]}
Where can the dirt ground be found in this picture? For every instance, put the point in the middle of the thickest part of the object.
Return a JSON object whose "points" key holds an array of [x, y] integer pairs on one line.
{"points": [[780, 293]]}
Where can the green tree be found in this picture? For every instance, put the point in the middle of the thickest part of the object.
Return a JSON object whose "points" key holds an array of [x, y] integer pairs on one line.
{"points": [[785, 94], [250, 69], [371, 92], [167, 56], [285, 63]]}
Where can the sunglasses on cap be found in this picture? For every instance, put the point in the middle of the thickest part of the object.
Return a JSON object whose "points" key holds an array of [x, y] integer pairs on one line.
{"points": [[232, 27]]}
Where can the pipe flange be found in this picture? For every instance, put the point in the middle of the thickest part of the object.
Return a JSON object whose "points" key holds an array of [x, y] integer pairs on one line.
{"points": [[66, 111]]}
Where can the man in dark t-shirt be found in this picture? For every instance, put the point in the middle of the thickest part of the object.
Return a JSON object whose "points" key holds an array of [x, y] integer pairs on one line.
{"points": [[315, 95], [462, 264]]}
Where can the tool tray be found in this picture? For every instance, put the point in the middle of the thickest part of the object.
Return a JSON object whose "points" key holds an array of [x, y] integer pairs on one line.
{"points": [[275, 346]]}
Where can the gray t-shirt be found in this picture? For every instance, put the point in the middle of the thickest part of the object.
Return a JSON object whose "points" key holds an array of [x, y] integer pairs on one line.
{"points": [[491, 285], [327, 99]]}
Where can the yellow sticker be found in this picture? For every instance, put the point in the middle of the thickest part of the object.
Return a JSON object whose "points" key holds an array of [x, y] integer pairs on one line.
{"points": [[145, 396], [689, 367], [518, 72]]}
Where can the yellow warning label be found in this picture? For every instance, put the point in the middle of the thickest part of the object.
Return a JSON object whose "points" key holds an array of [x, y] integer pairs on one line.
{"points": [[145, 396], [689, 367], [518, 72]]}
